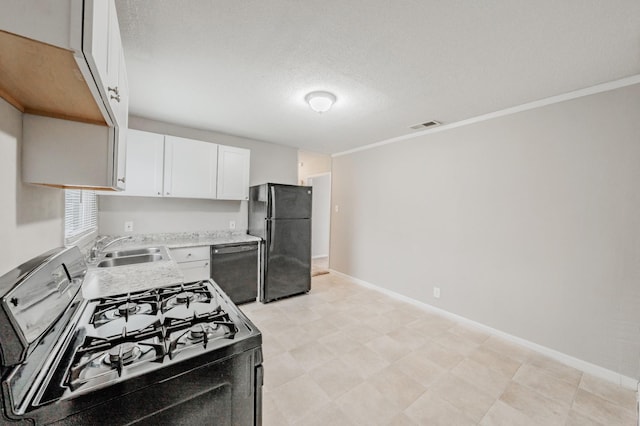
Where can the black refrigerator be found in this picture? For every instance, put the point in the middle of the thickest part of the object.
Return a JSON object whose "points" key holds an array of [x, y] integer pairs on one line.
{"points": [[281, 216]]}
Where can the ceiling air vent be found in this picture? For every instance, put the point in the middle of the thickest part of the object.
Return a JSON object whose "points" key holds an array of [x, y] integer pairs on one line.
{"points": [[426, 125]]}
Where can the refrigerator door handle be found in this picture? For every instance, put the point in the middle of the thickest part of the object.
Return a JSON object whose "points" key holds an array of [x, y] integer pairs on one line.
{"points": [[273, 201], [270, 235]]}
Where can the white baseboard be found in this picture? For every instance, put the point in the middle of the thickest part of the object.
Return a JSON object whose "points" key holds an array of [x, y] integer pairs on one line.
{"points": [[587, 367], [319, 256]]}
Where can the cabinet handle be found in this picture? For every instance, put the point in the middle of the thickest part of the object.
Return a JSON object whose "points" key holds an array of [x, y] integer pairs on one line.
{"points": [[159, 193], [121, 179], [117, 97], [188, 254], [168, 193], [114, 90]]}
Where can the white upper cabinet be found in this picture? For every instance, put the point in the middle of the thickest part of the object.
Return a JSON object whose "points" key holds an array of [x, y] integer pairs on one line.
{"points": [[102, 47], [190, 168], [145, 164], [68, 74], [233, 173], [170, 166]]}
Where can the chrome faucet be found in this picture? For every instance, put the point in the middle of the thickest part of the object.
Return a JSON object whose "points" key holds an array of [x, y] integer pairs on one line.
{"points": [[98, 247]]}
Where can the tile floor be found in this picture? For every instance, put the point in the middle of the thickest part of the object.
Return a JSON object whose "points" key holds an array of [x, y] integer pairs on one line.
{"points": [[347, 355]]}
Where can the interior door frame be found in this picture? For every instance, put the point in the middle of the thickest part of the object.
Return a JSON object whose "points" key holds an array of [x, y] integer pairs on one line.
{"points": [[330, 198]]}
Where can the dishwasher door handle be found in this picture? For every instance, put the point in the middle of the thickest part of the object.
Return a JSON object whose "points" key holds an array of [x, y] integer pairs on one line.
{"points": [[235, 249]]}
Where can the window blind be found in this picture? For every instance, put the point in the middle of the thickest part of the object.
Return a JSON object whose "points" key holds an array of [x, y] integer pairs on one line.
{"points": [[80, 214]]}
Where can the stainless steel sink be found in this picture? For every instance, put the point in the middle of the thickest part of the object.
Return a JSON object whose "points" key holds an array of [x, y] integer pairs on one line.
{"points": [[130, 260], [133, 252]]}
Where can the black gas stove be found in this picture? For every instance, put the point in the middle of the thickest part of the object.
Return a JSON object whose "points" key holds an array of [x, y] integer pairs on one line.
{"points": [[183, 354]]}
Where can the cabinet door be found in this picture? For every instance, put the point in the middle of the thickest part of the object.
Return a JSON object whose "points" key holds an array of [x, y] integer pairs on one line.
{"points": [[190, 168], [102, 49], [233, 173], [121, 109], [145, 161]]}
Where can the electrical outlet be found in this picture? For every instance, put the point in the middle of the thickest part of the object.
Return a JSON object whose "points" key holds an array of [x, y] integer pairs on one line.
{"points": [[128, 226], [337, 208], [232, 225], [436, 292]]}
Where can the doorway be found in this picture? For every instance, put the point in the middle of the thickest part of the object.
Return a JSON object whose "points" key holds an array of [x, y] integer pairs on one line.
{"points": [[321, 222]]}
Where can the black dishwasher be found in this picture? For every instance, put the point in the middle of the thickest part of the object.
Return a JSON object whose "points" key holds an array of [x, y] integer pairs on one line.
{"points": [[234, 267]]}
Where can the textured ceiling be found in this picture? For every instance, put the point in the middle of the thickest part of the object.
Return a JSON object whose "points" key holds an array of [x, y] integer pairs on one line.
{"points": [[244, 66]]}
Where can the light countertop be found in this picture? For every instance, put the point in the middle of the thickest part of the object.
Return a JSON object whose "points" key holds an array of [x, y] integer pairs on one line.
{"points": [[104, 282]]}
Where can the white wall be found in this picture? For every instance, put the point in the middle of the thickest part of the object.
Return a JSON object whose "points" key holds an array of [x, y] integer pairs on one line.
{"points": [[31, 217], [269, 163], [529, 223]]}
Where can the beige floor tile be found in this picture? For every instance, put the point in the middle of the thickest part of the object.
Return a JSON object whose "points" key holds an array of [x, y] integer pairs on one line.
{"points": [[601, 410], [327, 415], [280, 369], [299, 397], [292, 337], [397, 387], [407, 338], [492, 382], [556, 369], [385, 323], [339, 342], [506, 348], [501, 414], [536, 378], [335, 378], [402, 420], [339, 319], [431, 410], [270, 346], [466, 397], [393, 319], [311, 355], [435, 352], [301, 315], [618, 395], [495, 361], [271, 415], [474, 334], [542, 410], [365, 405], [364, 361], [361, 333], [386, 347], [277, 322], [419, 368], [456, 343], [431, 328], [317, 329], [576, 419]]}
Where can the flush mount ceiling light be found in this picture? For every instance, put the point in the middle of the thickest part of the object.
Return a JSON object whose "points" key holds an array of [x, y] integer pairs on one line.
{"points": [[320, 101]]}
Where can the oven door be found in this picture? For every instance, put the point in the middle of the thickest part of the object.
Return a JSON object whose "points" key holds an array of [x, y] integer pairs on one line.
{"points": [[226, 392]]}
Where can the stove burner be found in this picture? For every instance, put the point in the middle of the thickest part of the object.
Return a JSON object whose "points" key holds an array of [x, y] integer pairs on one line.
{"points": [[126, 352], [185, 297], [127, 309], [198, 331]]}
